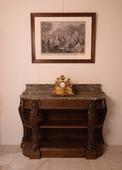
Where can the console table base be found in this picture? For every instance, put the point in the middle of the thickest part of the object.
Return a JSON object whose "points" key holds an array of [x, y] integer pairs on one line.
{"points": [[61, 152]]}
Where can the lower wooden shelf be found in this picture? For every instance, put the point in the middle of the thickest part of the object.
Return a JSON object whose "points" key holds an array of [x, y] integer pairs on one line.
{"points": [[64, 124], [61, 149]]}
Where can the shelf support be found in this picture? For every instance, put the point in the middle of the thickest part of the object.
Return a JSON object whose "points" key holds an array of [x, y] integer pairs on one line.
{"points": [[35, 152], [92, 120], [23, 118]]}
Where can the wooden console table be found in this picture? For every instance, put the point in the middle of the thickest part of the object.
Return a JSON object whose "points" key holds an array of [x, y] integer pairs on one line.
{"points": [[62, 126]]}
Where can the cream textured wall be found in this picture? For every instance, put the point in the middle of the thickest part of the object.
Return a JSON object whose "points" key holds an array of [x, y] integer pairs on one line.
{"points": [[16, 68]]}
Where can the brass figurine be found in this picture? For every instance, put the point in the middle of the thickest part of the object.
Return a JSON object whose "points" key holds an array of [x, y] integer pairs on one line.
{"points": [[62, 87]]}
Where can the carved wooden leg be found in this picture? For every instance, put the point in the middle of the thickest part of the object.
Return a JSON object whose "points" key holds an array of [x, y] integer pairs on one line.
{"points": [[91, 146], [23, 118], [25, 134], [35, 152]]}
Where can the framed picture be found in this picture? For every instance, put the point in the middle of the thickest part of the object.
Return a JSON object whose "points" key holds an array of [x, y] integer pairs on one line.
{"points": [[63, 37]]}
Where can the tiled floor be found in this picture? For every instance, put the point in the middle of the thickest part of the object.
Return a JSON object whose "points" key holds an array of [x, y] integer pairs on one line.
{"points": [[11, 158]]}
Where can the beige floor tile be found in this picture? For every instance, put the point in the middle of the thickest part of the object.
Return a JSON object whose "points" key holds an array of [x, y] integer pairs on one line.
{"points": [[6, 158], [19, 157], [76, 160], [79, 165], [115, 166], [99, 166], [4, 167], [115, 149], [44, 166], [59, 164], [24, 166], [114, 157], [24, 163], [8, 152]]}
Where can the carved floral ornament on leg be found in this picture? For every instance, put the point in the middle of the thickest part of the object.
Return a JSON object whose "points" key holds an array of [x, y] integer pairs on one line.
{"points": [[62, 87]]}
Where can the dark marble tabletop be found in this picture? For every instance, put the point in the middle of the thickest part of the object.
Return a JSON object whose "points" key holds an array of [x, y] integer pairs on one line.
{"points": [[81, 91]]}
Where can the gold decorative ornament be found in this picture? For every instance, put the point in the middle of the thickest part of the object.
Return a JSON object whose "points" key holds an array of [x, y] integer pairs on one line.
{"points": [[63, 87]]}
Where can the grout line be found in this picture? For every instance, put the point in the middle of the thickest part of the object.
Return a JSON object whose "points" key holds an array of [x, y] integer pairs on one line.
{"points": [[41, 164]]}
